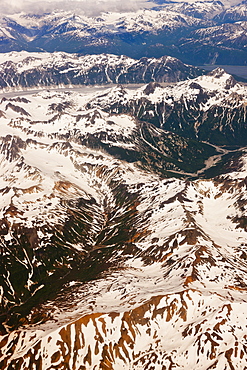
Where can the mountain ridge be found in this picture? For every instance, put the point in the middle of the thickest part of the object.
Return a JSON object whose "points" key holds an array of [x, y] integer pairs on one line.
{"points": [[210, 108], [25, 70]]}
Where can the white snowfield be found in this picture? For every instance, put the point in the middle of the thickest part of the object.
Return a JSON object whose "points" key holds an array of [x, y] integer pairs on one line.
{"points": [[177, 299]]}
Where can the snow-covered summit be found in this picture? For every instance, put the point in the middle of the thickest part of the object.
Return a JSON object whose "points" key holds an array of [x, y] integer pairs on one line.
{"points": [[198, 9], [235, 13]]}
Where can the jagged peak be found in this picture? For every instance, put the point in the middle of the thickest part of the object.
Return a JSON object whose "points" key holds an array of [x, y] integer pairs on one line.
{"points": [[217, 72]]}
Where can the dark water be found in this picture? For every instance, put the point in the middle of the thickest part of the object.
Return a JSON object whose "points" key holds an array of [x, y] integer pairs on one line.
{"points": [[240, 71]]}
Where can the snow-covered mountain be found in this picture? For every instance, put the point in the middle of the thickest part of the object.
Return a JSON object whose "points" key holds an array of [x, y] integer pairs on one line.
{"points": [[176, 29], [209, 108], [217, 45], [119, 248], [198, 9], [233, 14], [22, 69]]}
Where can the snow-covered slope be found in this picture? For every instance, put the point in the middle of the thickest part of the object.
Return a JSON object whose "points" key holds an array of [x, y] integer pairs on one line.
{"points": [[211, 107], [22, 69]]}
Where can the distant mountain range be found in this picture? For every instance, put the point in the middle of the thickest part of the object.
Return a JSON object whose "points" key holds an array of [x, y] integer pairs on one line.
{"points": [[197, 33]]}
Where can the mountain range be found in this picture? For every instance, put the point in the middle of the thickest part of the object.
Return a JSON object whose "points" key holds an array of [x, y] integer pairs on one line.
{"points": [[123, 176], [123, 237], [204, 32]]}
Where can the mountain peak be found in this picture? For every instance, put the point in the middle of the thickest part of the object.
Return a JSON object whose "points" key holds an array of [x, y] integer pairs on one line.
{"points": [[224, 78], [217, 72]]}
